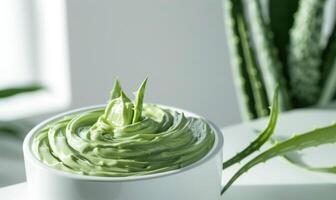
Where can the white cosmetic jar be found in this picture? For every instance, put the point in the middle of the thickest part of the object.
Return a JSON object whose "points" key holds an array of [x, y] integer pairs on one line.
{"points": [[198, 181]]}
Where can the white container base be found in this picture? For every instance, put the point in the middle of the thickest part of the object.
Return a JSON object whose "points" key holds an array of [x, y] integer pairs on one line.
{"points": [[199, 181]]}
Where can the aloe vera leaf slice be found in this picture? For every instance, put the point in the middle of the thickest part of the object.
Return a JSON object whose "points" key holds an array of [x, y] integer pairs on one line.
{"points": [[138, 104]]}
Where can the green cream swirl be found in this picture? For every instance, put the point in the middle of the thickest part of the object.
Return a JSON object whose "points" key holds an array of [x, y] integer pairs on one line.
{"points": [[124, 139]]}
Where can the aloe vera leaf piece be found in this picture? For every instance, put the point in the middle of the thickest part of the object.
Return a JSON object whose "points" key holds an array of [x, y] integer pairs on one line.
{"points": [[298, 162], [119, 112], [316, 137], [267, 56], [253, 102], [294, 159], [281, 18], [117, 91], [329, 71], [8, 92], [305, 53], [262, 138], [138, 104], [331, 169]]}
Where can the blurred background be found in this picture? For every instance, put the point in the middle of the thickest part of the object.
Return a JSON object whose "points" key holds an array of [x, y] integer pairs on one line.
{"points": [[179, 45], [61, 55]]}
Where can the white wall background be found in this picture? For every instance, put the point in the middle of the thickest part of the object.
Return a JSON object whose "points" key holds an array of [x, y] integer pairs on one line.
{"points": [[178, 44]]}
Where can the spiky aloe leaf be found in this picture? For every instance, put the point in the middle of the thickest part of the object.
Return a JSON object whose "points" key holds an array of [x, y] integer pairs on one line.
{"points": [[244, 91], [252, 95], [116, 91], [295, 159], [305, 53], [253, 73], [329, 70], [281, 18], [138, 104], [331, 169], [320, 136], [8, 92], [271, 67], [262, 138]]}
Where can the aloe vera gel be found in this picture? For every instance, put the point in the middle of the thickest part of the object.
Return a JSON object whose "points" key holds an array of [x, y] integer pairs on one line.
{"points": [[126, 138]]}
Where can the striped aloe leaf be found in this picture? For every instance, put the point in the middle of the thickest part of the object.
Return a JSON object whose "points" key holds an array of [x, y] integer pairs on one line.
{"points": [[329, 70], [271, 67], [281, 18], [305, 53], [252, 97]]}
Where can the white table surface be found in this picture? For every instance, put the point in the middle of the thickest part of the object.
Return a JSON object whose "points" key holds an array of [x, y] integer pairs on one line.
{"points": [[238, 192], [276, 179]]}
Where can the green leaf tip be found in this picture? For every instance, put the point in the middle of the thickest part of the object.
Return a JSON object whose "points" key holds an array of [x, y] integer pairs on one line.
{"points": [[120, 110], [262, 138], [295, 159], [116, 91], [138, 104]]}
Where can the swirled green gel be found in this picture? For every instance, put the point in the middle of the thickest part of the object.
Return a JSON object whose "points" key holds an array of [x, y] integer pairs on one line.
{"points": [[124, 139]]}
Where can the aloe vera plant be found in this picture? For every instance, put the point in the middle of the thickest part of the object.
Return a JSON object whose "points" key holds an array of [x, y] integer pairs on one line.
{"points": [[282, 42], [313, 138]]}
